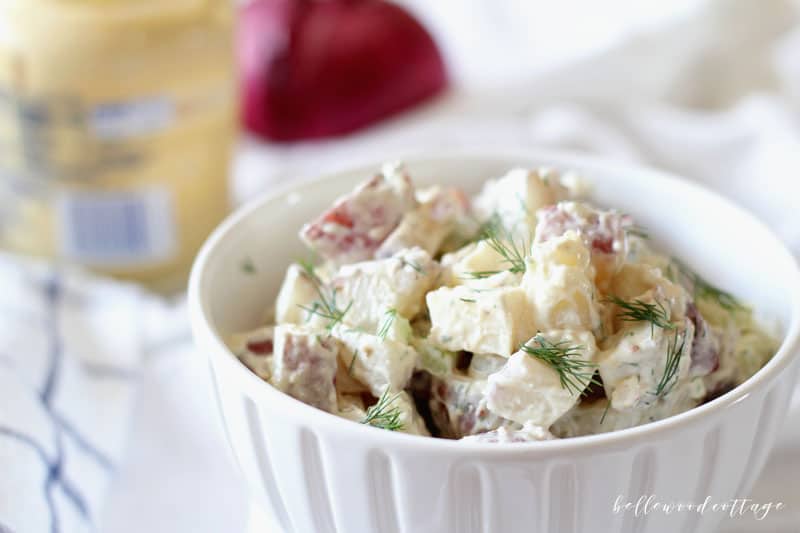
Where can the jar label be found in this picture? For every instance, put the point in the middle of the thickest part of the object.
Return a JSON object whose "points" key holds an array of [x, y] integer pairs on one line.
{"points": [[122, 120], [117, 228]]}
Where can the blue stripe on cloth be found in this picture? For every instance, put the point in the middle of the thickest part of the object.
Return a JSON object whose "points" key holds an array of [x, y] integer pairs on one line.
{"points": [[52, 291], [47, 463], [82, 443], [54, 468], [63, 428], [16, 435], [55, 476]]}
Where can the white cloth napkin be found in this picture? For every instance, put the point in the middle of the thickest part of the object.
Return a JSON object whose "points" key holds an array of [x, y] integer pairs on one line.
{"points": [[71, 349], [100, 386]]}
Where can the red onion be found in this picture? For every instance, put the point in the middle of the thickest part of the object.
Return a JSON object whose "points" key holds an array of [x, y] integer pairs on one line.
{"points": [[316, 68]]}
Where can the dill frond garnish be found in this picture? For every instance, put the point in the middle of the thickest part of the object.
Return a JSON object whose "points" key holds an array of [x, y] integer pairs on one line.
{"points": [[352, 362], [247, 266], [605, 411], [564, 359], [328, 311], [703, 290], [383, 414], [325, 306], [641, 311], [390, 316], [523, 205], [481, 274], [468, 300], [674, 352], [501, 241], [636, 230], [412, 265], [658, 316]]}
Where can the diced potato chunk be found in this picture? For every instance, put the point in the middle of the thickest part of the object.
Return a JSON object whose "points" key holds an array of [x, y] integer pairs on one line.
{"points": [[643, 282], [296, 292], [377, 363], [635, 364], [351, 407], [465, 266], [305, 366], [593, 417], [492, 321], [482, 365], [516, 196], [432, 359], [400, 402], [412, 422], [558, 281], [504, 435], [427, 226], [458, 407], [254, 349], [528, 390], [346, 382], [603, 232], [357, 224], [398, 283]]}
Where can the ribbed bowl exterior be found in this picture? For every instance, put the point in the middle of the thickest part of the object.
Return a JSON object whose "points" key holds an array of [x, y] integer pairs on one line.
{"points": [[316, 473], [321, 480]]}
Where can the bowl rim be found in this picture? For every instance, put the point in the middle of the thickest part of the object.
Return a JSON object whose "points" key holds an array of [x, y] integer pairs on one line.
{"points": [[204, 331]]}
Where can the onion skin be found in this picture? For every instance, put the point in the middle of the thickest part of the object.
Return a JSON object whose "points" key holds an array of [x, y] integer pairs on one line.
{"points": [[317, 68]]}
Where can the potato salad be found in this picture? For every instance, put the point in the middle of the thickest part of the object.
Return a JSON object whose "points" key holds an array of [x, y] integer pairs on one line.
{"points": [[521, 314]]}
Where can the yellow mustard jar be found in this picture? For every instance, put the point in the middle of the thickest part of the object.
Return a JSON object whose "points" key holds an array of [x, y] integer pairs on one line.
{"points": [[117, 124]]}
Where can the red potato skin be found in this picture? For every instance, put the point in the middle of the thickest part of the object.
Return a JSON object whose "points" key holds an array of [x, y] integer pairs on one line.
{"points": [[603, 238], [312, 374], [705, 348], [260, 347], [348, 234], [444, 209], [474, 417], [312, 69]]}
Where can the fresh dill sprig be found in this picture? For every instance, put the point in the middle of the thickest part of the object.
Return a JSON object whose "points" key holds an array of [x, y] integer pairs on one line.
{"points": [[481, 274], [501, 241], [564, 359], [641, 311], [390, 316], [726, 300], [703, 290], [468, 300], [412, 265], [247, 265], [636, 230], [671, 365], [523, 205], [383, 414], [658, 316], [605, 411], [328, 311], [352, 362], [325, 306]]}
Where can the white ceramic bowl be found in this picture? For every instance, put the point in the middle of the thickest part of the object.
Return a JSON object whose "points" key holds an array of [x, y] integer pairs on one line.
{"points": [[316, 473]]}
